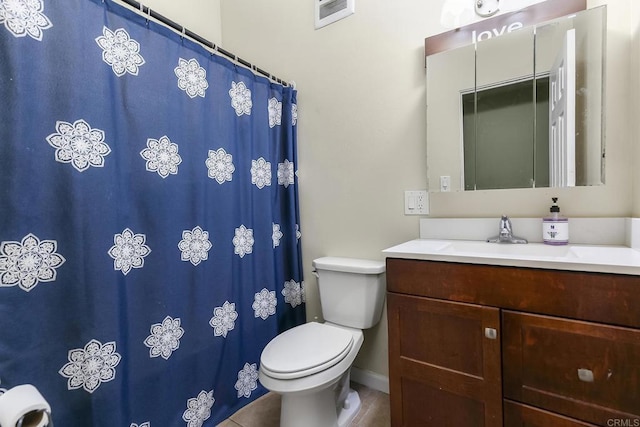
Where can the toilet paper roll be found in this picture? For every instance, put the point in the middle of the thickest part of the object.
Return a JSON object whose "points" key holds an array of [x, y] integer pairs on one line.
{"points": [[23, 402]]}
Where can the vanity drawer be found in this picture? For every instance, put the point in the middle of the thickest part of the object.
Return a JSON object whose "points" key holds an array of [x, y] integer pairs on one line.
{"points": [[584, 370], [595, 297], [519, 415]]}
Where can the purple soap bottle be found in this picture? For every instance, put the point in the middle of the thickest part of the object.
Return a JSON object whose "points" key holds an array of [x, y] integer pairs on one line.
{"points": [[555, 228]]}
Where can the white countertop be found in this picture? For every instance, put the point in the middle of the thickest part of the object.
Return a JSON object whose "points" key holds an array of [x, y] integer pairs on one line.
{"points": [[595, 258]]}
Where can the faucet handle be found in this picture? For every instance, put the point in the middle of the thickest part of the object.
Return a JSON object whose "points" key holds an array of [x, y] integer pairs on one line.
{"points": [[505, 233], [505, 223]]}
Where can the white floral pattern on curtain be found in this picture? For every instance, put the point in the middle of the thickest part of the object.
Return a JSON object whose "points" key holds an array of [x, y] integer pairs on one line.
{"points": [[147, 254]]}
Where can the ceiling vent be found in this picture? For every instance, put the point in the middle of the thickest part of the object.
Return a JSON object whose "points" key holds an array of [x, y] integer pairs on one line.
{"points": [[330, 11]]}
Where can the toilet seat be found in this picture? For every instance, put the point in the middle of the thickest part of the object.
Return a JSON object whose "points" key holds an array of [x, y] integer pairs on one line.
{"points": [[305, 350]]}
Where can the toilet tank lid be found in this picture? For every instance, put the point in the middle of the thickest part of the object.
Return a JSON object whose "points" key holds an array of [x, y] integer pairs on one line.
{"points": [[349, 265]]}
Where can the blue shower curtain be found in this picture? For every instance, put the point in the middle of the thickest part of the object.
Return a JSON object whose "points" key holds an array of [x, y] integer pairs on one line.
{"points": [[149, 226]]}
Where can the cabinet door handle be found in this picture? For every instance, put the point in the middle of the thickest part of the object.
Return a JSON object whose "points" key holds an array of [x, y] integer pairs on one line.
{"points": [[585, 375], [490, 333]]}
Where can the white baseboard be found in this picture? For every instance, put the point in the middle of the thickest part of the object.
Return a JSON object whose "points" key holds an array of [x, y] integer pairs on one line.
{"points": [[370, 379]]}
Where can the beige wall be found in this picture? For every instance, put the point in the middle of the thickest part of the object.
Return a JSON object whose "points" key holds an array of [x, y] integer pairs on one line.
{"points": [[635, 103], [200, 16], [361, 132], [362, 127], [362, 122]]}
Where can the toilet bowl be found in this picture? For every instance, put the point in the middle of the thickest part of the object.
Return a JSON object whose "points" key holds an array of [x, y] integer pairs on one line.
{"points": [[309, 365], [312, 391]]}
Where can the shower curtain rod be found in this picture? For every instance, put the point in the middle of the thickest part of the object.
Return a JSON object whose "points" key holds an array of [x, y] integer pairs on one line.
{"points": [[186, 32]]}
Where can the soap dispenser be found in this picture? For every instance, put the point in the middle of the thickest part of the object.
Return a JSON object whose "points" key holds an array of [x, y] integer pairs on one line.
{"points": [[555, 228]]}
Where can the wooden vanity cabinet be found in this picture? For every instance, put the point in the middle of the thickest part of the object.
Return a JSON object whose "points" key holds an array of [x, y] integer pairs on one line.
{"points": [[479, 345], [441, 358]]}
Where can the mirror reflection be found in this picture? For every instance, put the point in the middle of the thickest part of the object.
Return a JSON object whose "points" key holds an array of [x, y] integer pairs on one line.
{"points": [[520, 110]]}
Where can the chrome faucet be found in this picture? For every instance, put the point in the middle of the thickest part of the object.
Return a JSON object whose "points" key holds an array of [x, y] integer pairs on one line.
{"points": [[506, 234]]}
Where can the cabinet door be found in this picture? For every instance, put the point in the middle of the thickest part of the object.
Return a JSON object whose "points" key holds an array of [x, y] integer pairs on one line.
{"points": [[444, 363], [519, 415], [584, 370]]}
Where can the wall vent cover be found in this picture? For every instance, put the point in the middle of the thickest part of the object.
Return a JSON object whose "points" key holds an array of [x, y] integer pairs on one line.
{"points": [[330, 11]]}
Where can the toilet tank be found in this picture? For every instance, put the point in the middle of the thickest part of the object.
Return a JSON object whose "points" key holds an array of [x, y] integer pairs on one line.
{"points": [[351, 290]]}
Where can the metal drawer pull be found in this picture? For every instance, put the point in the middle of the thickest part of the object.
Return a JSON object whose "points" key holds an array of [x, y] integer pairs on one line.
{"points": [[490, 333], [585, 375]]}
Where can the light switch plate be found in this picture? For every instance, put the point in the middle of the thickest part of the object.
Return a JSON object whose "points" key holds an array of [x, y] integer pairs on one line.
{"points": [[416, 202], [445, 183]]}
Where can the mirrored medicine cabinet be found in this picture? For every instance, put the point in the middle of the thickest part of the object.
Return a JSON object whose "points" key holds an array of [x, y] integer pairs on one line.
{"points": [[518, 105]]}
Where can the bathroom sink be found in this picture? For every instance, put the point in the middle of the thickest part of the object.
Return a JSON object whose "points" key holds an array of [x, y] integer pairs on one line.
{"points": [[435, 246], [508, 249], [431, 246], [482, 249], [603, 253], [597, 258]]}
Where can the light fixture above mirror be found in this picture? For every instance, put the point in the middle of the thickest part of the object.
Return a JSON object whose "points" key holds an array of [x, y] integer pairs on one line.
{"points": [[486, 8]]}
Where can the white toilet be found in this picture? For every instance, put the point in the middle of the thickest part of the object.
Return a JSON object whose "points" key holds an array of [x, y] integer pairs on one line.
{"points": [[309, 365]]}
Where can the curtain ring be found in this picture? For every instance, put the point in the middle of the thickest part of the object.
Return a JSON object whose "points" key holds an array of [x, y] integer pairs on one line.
{"points": [[184, 32], [148, 14]]}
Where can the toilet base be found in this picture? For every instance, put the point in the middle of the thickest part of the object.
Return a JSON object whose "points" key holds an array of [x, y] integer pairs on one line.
{"points": [[347, 415], [334, 406]]}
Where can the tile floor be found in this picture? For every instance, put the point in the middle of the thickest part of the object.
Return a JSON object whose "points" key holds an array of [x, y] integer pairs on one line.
{"points": [[265, 412]]}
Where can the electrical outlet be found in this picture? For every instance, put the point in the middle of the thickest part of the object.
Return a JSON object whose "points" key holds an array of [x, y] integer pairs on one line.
{"points": [[416, 202]]}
